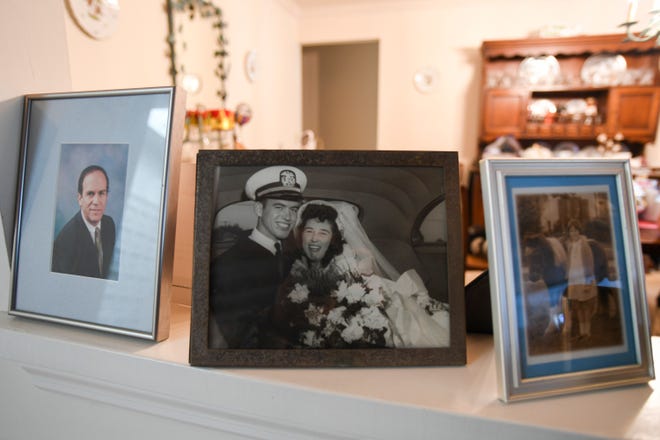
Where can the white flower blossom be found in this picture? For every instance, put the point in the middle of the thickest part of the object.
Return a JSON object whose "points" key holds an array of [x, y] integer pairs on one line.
{"points": [[299, 293], [335, 316], [373, 298], [328, 330], [355, 293], [314, 315], [373, 318], [374, 282], [341, 292], [354, 331], [310, 339], [351, 293]]}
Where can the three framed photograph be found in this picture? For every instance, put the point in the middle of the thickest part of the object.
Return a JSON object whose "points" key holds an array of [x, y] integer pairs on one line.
{"points": [[96, 205], [327, 258], [566, 276]]}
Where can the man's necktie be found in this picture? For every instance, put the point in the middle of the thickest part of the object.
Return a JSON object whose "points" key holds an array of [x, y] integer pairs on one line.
{"points": [[280, 260], [99, 248]]}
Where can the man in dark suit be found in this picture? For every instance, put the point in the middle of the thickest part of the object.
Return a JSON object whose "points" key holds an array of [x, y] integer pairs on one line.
{"points": [[244, 280], [85, 245]]}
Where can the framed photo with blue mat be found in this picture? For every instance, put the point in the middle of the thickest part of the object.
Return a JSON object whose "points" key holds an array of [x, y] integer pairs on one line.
{"points": [[94, 231], [566, 276]]}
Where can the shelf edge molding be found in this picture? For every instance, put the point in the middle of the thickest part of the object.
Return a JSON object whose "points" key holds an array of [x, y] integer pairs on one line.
{"points": [[224, 400], [170, 407]]}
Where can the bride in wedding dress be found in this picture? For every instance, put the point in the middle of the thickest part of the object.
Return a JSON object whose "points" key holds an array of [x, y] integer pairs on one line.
{"points": [[342, 291]]}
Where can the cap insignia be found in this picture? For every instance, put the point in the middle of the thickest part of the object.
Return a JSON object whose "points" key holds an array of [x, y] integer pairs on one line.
{"points": [[288, 178]]}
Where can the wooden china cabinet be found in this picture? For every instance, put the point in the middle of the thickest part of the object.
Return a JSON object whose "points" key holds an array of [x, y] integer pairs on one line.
{"points": [[619, 78], [570, 89]]}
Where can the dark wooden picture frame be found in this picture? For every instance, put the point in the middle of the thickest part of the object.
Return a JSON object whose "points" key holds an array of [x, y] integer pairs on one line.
{"points": [[409, 208]]}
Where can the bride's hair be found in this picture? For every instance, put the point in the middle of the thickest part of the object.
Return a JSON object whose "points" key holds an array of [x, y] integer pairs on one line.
{"points": [[322, 213]]}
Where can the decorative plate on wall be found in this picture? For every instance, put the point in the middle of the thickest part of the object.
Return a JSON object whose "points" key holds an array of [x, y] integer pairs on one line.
{"points": [[251, 65], [426, 79], [97, 18]]}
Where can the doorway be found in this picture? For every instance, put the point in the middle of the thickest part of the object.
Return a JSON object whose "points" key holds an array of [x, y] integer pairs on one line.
{"points": [[340, 94]]}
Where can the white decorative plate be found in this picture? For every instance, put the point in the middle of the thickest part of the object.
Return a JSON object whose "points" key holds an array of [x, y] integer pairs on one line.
{"points": [[576, 107], [426, 79], [251, 65], [97, 18], [542, 70], [540, 108], [603, 70]]}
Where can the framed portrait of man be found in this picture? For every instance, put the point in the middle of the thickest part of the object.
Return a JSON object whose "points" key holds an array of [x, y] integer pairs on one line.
{"points": [[94, 220]]}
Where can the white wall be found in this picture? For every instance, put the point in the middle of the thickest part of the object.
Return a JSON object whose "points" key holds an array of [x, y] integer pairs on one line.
{"points": [[278, 97], [43, 50], [412, 34], [448, 35], [35, 60], [137, 56]]}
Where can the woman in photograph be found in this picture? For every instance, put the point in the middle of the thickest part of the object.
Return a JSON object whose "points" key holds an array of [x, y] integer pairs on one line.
{"points": [[343, 293], [582, 290]]}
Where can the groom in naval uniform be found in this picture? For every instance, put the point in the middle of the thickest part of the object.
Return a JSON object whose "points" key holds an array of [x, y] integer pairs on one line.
{"points": [[244, 280], [85, 245]]}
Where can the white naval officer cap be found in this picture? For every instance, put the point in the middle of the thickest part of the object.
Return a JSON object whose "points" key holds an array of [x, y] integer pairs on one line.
{"points": [[277, 182]]}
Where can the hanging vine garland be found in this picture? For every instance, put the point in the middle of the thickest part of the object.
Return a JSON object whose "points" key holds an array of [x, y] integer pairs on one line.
{"points": [[206, 10]]}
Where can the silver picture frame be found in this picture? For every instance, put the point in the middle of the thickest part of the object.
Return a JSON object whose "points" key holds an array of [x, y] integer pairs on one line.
{"points": [[566, 276], [131, 141]]}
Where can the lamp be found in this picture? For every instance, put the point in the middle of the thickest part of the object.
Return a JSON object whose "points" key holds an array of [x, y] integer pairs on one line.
{"points": [[653, 28]]}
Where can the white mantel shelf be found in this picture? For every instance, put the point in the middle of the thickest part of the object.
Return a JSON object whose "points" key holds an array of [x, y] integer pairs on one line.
{"points": [[372, 403]]}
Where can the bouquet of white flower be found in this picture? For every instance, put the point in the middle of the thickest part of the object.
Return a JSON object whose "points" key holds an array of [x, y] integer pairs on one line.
{"points": [[328, 309]]}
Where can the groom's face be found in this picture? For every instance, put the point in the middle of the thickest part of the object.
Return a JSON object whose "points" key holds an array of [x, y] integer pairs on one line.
{"points": [[276, 217]]}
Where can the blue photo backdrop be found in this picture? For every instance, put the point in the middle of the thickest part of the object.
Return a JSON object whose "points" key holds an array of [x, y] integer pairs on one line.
{"points": [[113, 158], [572, 359]]}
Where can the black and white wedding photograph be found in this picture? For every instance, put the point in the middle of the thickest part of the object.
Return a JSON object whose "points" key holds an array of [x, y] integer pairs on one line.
{"points": [[329, 257]]}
